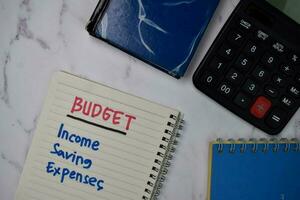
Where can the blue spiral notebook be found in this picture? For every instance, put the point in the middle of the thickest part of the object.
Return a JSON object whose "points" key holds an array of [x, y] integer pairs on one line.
{"points": [[254, 170], [164, 33]]}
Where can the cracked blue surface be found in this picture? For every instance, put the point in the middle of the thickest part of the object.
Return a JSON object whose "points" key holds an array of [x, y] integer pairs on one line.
{"points": [[162, 33]]}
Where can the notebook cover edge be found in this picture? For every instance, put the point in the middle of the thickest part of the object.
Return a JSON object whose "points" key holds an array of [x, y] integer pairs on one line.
{"points": [[210, 157], [96, 16]]}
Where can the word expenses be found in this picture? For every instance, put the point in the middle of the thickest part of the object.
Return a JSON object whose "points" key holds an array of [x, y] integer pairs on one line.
{"points": [[74, 158]]}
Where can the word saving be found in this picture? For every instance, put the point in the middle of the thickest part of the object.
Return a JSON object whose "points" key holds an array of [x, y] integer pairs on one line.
{"points": [[74, 158], [94, 110]]}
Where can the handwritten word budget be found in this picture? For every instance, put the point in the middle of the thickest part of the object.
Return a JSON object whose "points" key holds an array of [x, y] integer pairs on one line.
{"points": [[107, 114], [95, 142]]}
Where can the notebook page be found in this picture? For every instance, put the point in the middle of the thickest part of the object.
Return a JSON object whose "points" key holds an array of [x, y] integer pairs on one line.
{"points": [[93, 142]]}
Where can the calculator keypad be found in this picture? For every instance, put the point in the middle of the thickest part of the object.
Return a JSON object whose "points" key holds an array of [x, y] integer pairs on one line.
{"points": [[270, 61], [225, 89], [250, 87], [271, 91], [253, 74], [242, 100], [226, 52], [260, 107], [234, 76], [275, 118]]}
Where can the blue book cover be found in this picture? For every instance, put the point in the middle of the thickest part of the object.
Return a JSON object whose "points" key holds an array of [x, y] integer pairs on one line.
{"points": [[254, 171], [164, 33]]}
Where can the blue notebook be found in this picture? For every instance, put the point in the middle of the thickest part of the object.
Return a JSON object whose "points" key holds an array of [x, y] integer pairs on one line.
{"points": [[263, 170], [163, 33]]}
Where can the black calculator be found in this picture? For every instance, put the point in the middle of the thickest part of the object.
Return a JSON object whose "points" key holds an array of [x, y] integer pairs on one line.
{"points": [[253, 66]]}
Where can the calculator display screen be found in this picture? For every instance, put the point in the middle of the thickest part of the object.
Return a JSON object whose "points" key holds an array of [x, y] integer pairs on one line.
{"points": [[289, 7]]}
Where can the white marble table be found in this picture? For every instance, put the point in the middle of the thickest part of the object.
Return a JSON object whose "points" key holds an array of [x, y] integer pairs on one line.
{"points": [[38, 38]]}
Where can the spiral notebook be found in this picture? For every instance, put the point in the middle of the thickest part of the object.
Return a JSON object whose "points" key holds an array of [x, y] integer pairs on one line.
{"points": [[260, 170], [94, 142]]}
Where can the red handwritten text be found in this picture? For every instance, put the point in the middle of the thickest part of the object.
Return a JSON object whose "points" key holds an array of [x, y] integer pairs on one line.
{"points": [[94, 110]]}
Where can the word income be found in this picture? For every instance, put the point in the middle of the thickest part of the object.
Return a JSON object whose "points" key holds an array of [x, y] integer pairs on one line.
{"points": [[73, 138]]}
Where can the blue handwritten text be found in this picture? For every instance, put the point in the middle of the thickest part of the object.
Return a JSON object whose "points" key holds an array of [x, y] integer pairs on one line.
{"points": [[55, 170]]}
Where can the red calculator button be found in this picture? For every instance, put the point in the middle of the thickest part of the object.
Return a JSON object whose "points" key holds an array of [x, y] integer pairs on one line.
{"points": [[260, 107]]}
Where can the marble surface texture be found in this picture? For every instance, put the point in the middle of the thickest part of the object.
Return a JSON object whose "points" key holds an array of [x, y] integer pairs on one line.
{"points": [[38, 38]]}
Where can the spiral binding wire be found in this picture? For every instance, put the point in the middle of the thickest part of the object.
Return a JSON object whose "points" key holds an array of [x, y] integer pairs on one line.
{"points": [[164, 157], [254, 144]]}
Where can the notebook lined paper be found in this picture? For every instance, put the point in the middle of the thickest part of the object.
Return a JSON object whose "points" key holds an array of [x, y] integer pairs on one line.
{"points": [[95, 142]]}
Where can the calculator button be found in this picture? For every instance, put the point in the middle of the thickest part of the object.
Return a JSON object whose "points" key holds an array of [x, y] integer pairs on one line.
{"points": [[271, 91], [250, 87], [226, 52], [297, 78], [261, 35], [260, 107], [294, 91], [225, 89], [245, 24], [251, 49], [287, 70], [217, 65], [293, 58], [278, 47], [274, 119], [235, 38], [269, 60], [260, 74], [243, 63], [287, 102], [279, 80], [234, 76], [242, 100], [209, 79]]}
